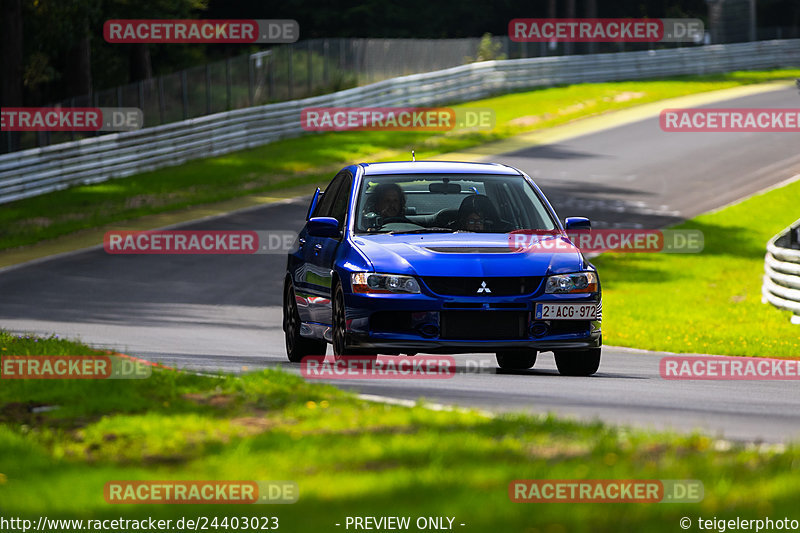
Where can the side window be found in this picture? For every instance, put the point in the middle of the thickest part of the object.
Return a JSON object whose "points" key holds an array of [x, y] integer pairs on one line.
{"points": [[339, 211], [325, 205]]}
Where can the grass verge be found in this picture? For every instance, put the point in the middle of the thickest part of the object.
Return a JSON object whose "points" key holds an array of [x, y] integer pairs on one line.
{"points": [[349, 457], [708, 302], [313, 159]]}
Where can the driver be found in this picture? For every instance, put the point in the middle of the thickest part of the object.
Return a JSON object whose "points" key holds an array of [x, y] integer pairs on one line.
{"points": [[390, 201], [387, 204]]}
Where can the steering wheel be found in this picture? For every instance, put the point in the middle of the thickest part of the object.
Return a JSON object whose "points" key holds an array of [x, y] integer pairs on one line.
{"points": [[390, 220]]}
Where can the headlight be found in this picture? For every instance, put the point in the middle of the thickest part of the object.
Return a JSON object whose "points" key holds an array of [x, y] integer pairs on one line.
{"points": [[580, 282], [369, 283]]}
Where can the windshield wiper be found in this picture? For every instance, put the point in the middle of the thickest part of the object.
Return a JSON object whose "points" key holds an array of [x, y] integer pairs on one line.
{"points": [[423, 230]]}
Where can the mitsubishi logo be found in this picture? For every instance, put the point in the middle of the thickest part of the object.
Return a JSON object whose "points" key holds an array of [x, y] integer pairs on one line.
{"points": [[483, 288]]}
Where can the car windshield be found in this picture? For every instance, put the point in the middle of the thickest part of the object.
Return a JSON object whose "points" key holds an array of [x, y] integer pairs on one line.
{"points": [[428, 203]]}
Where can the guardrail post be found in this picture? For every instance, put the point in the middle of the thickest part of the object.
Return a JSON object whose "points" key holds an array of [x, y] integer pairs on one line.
{"points": [[140, 90], [325, 55], [251, 89], [184, 95], [160, 100], [228, 105], [271, 74], [208, 89], [291, 72], [72, 104], [310, 69]]}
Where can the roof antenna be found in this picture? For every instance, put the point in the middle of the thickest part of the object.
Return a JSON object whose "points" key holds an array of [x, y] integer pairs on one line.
{"points": [[413, 157]]}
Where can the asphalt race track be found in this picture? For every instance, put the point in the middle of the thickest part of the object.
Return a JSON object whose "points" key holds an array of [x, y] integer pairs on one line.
{"points": [[223, 312]]}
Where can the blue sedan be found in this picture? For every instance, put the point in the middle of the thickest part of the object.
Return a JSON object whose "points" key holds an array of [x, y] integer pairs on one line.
{"points": [[420, 257]]}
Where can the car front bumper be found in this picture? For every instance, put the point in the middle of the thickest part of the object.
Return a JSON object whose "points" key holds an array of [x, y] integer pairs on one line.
{"points": [[404, 323]]}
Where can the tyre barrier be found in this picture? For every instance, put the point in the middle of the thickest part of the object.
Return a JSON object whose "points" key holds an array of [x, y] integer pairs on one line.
{"points": [[781, 286]]}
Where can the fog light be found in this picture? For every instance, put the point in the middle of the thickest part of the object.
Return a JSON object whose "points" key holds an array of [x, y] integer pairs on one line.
{"points": [[539, 328], [429, 330]]}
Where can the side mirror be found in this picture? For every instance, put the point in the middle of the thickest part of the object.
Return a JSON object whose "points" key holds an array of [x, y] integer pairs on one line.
{"points": [[314, 201], [323, 227], [577, 223]]}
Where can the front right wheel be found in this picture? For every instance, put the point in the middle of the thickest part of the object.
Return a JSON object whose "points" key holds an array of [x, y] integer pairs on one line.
{"points": [[578, 362]]}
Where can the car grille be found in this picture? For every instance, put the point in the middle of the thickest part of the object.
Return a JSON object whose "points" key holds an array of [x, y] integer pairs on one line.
{"points": [[565, 327], [505, 286], [483, 325]]}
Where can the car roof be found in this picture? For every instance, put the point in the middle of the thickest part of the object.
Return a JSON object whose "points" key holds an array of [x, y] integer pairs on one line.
{"points": [[437, 167]]}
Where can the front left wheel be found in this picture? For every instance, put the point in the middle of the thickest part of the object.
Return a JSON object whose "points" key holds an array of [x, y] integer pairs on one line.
{"points": [[297, 346]]}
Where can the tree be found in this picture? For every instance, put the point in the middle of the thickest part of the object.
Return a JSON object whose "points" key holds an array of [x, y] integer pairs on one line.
{"points": [[11, 53]]}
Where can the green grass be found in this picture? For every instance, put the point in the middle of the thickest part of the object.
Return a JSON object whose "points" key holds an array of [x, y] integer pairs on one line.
{"points": [[708, 302], [349, 457], [314, 159]]}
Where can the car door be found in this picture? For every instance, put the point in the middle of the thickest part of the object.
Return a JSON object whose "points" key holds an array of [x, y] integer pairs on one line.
{"points": [[320, 252], [306, 274]]}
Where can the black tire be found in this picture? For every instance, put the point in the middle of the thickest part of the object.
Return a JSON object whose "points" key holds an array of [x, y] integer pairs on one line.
{"points": [[578, 362], [339, 333], [297, 346], [516, 360]]}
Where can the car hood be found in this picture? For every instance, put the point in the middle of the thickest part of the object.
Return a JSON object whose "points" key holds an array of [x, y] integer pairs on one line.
{"points": [[464, 254]]}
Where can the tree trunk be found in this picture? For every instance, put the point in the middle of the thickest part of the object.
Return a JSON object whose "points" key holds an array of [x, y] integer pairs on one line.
{"points": [[11, 61], [591, 12], [11, 53], [78, 72], [569, 47], [139, 63]]}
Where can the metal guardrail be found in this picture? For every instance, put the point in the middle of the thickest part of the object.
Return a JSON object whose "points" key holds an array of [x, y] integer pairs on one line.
{"points": [[781, 285], [41, 170]]}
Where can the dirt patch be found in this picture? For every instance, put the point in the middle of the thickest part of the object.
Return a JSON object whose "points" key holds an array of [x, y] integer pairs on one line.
{"points": [[624, 96], [35, 222], [558, 451], [20, 413], [530, 120], [216, 400], [252, 425]]}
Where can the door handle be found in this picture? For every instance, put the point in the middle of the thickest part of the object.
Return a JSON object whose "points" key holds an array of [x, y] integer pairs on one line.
{"points": [[318, 246]]}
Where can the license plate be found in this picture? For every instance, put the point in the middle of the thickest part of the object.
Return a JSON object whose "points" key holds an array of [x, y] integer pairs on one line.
{"points": [[566, 311]]}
